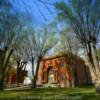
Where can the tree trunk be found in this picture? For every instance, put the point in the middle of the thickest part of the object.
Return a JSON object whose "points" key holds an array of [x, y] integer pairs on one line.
{"points": [[17, 74], [2, 83], [36, 74], [97, 68], [76, 77], [93, 67], [89, 64], [5, 70], [1, 86], [75, 70], [32, 72], [95, 60], [20, 66]]}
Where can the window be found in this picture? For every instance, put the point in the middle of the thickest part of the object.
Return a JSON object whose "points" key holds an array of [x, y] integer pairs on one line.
{"points": [[62, 64]]}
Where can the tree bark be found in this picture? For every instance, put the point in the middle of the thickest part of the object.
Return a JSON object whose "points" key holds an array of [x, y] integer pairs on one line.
{"points": [[17, 74], [97, 68], [32, 71], [89, 64], [95, 59], [20, 66], [93, 65], [4, 70], [36, 74], [1, 85]]}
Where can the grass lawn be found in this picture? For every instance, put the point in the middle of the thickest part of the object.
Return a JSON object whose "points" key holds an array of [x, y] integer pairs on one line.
{"points": [[82, 93]]}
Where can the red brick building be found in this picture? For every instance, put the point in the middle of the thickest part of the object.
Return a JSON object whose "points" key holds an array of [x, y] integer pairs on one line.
{"points": [[12, 77], [63, 71]]}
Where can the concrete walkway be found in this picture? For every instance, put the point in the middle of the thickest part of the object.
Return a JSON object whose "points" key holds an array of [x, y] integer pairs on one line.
{"points": [[19, 88]]}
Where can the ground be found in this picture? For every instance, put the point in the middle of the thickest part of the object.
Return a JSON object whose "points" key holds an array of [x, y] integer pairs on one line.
{"points": [[78, 93]]}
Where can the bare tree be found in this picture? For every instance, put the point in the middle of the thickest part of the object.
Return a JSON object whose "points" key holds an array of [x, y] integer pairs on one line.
{"points": [[41, 41], [21, 56], [70, 46], [10, 29], [83, 16]]}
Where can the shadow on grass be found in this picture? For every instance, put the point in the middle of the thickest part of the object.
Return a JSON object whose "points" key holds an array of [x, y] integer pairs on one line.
{"points": [[84, 93]]}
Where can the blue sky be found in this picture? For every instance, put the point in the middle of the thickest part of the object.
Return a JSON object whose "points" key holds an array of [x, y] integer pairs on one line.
{"points": [[35, 10]]}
